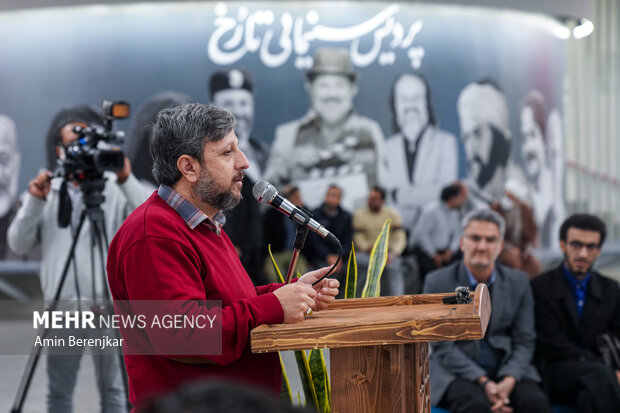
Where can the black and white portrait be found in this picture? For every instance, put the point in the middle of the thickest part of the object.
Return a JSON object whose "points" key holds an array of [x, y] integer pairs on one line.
{"points": [[542, 154], [421, 158], [485, 132], [9, 174], [331, 143], [233, 89]]}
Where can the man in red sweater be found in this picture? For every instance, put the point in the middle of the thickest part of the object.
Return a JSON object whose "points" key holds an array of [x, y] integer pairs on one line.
{"points": [[173, 247]]}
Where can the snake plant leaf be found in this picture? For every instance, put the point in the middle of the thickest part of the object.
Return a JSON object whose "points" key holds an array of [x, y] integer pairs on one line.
{"points": [[275, 266], [320, 379], [378, 259], [285, 391], [351, 281], [306, 378], [313, 372]]}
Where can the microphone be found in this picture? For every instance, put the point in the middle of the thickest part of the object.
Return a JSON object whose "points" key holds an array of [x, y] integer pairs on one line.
{"points": [[462, 296], [268, 194]]}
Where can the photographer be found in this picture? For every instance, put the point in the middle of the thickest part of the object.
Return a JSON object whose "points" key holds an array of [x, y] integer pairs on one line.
{"points": [[36, 222]]}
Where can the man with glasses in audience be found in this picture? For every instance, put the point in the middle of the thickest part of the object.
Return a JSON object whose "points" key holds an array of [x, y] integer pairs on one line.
{"points": [[575, 305], [494, 374]]}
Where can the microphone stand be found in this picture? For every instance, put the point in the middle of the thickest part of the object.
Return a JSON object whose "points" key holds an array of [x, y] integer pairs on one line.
{"points": [[300, 239]]}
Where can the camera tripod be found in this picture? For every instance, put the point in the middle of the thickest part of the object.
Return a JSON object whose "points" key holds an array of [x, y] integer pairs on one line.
{"points": [[92, 189]]}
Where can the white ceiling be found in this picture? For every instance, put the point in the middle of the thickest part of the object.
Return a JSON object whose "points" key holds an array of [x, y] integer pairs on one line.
{"points": [[558, 8]]}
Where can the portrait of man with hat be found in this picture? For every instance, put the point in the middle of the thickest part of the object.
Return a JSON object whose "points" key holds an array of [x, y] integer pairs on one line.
{"points": [[233, 90], [331, 143]]}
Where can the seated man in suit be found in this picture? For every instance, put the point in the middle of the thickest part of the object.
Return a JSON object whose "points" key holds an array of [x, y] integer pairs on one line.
{"points": [[494, 374], [573, 306]]}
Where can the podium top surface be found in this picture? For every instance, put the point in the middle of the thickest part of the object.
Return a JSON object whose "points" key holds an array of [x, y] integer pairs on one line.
{"points": [[380, 321]]}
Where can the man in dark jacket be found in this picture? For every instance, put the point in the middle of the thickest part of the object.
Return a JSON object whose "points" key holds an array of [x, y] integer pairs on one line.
{"points": [[233, 90], [494, 374], [574, 305], [279, 234], [338, 221]]}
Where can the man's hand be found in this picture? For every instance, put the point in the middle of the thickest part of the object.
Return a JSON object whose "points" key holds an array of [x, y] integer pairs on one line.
{"points": [[491, 389], [124, 173], [39, 187], [504, 409], [437, 260], [447, 256], [326, 290], [618, 375], [498, 393], [505, 388], [295, 300]]}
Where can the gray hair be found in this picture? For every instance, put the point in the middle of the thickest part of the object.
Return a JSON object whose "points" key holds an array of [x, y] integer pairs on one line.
{"points": [[184, 130], [485, 215]]}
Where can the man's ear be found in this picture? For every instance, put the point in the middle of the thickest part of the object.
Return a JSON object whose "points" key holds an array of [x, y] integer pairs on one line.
{"points": [[563, 246], [189, 168]]}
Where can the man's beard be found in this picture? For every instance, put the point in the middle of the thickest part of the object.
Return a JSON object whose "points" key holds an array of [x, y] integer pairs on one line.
{"points": [[500, 151], [531, 173], [217, 197], [413, 127], [575, 272]]}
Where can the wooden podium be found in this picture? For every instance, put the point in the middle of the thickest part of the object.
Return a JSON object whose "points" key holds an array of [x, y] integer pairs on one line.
{"points": [[379, 346]]}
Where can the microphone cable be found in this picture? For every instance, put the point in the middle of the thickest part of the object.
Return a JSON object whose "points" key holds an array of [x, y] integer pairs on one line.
{"points": [[333, 268]]}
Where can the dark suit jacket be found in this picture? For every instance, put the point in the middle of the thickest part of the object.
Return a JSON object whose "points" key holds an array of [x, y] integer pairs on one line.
{"points": [[557, 324], [275, 233], [339, 225], [511, 329]]}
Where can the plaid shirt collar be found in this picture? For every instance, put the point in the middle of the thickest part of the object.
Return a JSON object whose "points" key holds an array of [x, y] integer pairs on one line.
{"points": [[190, 214]]}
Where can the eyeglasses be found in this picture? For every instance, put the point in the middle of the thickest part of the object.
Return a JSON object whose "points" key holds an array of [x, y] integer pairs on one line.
{"points": [[477, 238], [578, 245]]}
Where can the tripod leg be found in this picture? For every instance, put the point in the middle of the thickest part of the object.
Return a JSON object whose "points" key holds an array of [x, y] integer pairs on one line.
{"points": [[101, 236], [35, 353], [24, 384]]}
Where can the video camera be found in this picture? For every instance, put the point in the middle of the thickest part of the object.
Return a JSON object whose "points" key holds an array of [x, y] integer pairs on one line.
{"points": [[83, 158], [85, 162]]}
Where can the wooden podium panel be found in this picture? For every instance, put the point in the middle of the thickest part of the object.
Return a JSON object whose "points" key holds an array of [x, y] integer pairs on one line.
{"points": [[379, 346], [372, 378]]}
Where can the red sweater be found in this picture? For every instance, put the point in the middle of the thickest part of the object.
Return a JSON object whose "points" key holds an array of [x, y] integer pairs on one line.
{"points": [[156, 256]]}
